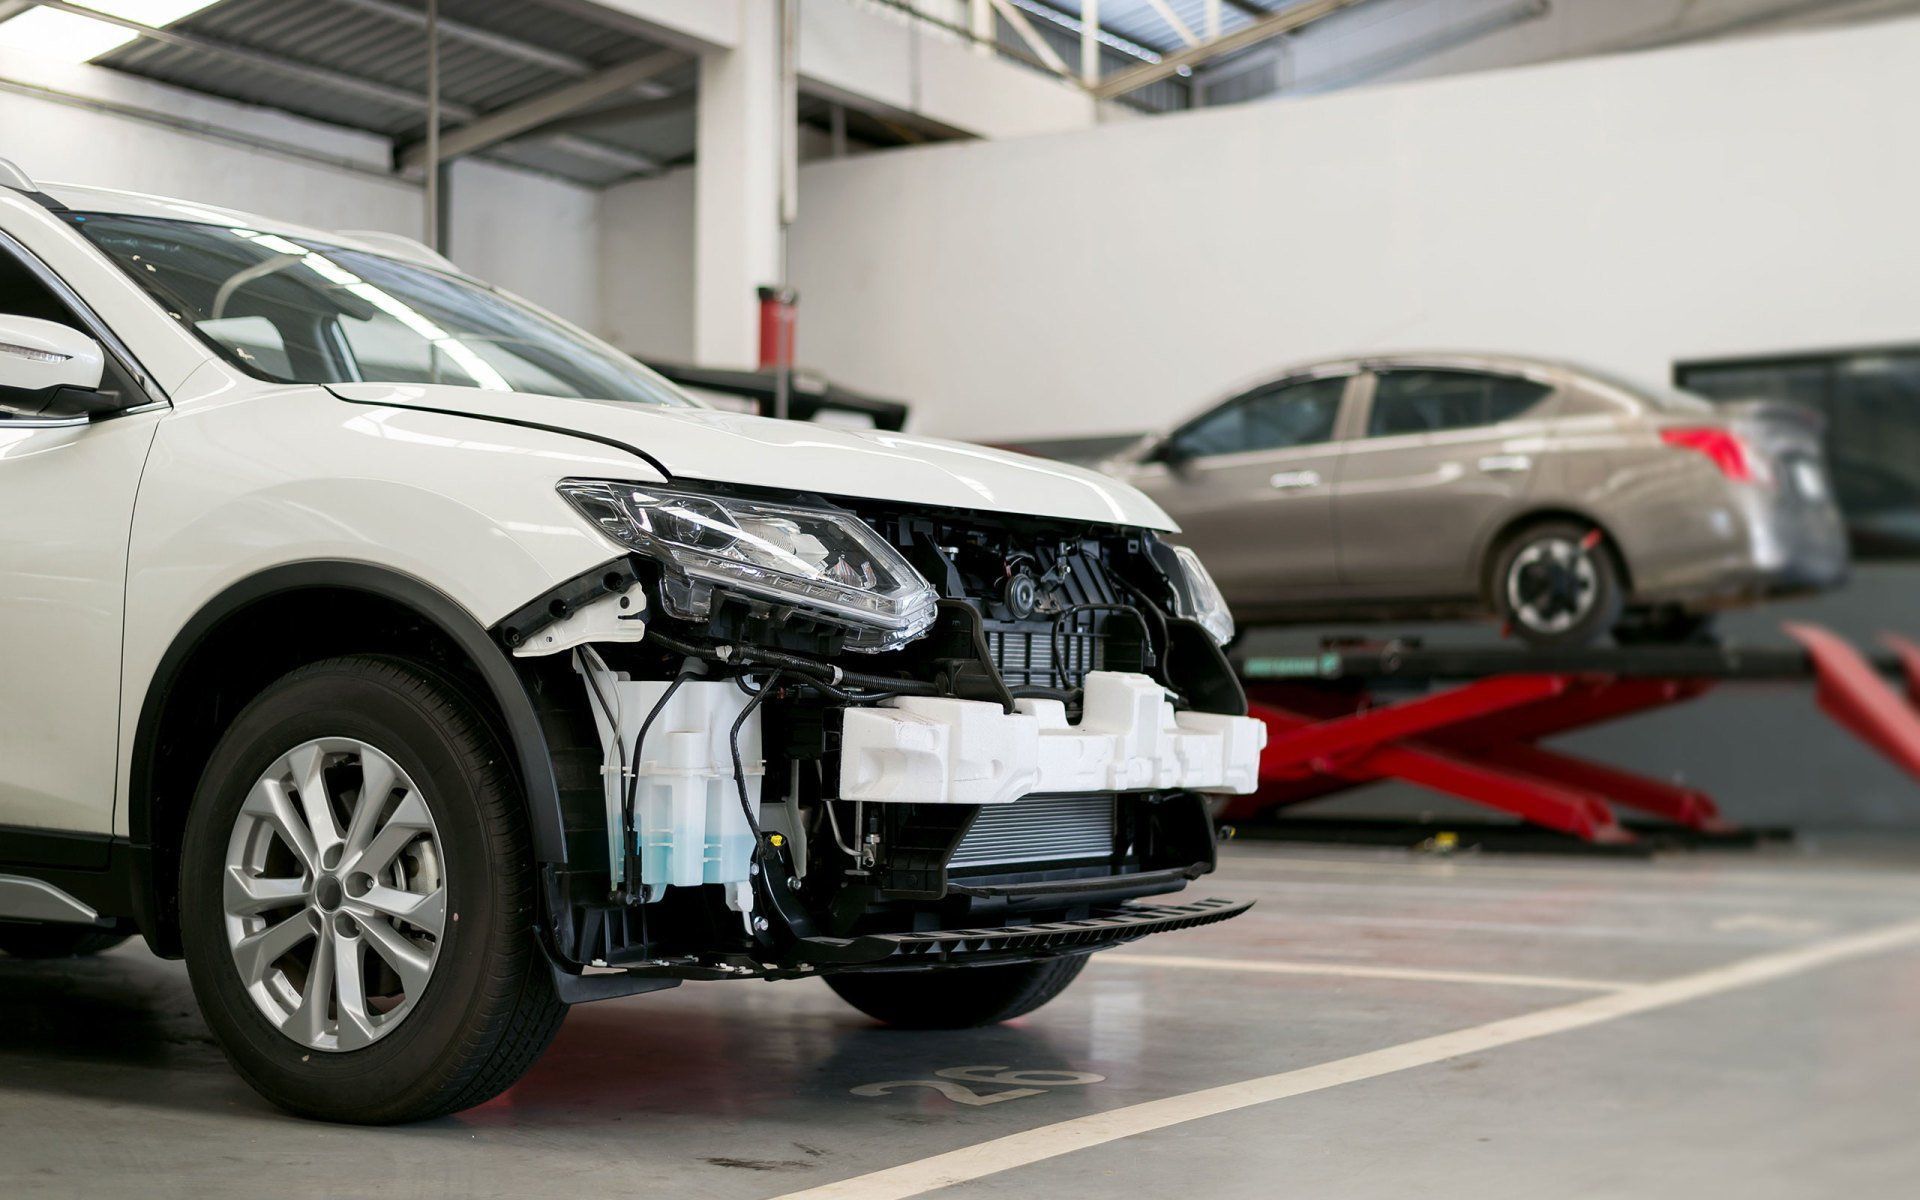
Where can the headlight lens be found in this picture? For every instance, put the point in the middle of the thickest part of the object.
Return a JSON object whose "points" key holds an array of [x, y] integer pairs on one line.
{"points": [[828, 564], [1197, 597]]}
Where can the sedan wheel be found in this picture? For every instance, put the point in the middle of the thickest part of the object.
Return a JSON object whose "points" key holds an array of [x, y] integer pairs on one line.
{"points": [[1551, 585], [1556, 584]]}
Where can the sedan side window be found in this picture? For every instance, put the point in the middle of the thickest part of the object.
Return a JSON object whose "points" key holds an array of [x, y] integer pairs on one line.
{"points": [[1274, 418], [1435, 401]]}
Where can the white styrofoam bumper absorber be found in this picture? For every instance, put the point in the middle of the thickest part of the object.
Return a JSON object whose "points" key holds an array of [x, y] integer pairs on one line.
{"points": [[687, 815], [927, 750]]}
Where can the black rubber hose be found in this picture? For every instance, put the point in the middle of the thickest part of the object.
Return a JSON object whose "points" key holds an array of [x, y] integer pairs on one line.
{"points": [[824, 672], [633, 777], [739, 769]]}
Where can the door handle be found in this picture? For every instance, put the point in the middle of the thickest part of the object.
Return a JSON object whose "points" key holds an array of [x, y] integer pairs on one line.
{"points": [[1505, 464], [1289, 481]]}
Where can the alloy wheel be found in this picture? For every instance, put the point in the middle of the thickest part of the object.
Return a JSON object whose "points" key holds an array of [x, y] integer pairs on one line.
{"points": [[335, 894], [1551, 585]]}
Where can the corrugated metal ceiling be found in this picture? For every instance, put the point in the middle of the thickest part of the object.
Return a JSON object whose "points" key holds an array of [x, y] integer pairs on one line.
{"points": [[362, 64], [1139, 21], [382, 43]]}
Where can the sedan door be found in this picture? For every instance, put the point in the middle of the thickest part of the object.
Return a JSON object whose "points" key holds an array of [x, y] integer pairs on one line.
{"points": [[1446, 454], [1251, 484]]}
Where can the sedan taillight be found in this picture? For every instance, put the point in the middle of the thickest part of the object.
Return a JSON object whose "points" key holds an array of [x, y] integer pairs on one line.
{"points": [[1733, 456]]}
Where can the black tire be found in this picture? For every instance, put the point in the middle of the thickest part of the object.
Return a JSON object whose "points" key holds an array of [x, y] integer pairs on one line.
{"points": [[1550, 598], [55, 941], [488, 1009], [957, 997]]}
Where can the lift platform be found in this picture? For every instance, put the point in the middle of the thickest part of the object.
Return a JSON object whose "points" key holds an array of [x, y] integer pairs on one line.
{"points": [[1470, 722]]}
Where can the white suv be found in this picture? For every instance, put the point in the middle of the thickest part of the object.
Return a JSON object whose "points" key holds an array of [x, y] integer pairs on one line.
{"points": [[415, 664]]}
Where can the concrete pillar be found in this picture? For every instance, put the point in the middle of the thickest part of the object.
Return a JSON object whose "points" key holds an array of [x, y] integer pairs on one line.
{"points": [[737, 188]]}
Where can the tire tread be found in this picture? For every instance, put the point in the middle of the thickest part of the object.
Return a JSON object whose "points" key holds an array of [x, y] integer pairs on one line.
{"points": [[958, 997]]}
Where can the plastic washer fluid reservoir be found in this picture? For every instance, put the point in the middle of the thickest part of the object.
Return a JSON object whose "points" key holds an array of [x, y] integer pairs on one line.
{"points": [[688, 821]]}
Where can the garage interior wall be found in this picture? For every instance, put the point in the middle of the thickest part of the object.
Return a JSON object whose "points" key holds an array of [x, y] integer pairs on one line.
{"points": [[526, 232], [1064, 285]]}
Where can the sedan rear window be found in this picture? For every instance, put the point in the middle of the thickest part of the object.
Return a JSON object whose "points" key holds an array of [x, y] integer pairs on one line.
{"points": [[1435, 401]]}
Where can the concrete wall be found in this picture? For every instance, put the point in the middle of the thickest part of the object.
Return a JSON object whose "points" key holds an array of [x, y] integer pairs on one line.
{"points": [[646, 276], [532, 234], [1725, 198]]}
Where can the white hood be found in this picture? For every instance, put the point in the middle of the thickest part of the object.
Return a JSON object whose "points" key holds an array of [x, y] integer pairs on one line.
{"points": [[724, 447]]}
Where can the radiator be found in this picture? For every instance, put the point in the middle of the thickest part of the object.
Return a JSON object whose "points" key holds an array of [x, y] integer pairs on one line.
{"points": [[1038, 829]]}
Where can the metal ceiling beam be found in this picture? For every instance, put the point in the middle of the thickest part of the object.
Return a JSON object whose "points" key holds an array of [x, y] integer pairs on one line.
{"points": [[531, 114], [1031, 36], [473, 35], [318, 76], [1252, 34], [615, 156], [1174, 22], [625, 114]]}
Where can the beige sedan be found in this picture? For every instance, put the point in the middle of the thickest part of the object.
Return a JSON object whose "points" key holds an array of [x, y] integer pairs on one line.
{"points": [[1436, 485]]}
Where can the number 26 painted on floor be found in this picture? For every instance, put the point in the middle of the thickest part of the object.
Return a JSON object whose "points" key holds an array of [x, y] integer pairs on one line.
{"points": [[1024, 1083]]}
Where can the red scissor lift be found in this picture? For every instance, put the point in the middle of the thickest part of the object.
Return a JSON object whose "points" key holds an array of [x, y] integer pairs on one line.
{"points": [[1476, 731]]}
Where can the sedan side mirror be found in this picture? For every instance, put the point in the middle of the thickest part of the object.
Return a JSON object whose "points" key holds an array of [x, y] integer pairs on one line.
{"points": [[50, 370], [1172, 452]]}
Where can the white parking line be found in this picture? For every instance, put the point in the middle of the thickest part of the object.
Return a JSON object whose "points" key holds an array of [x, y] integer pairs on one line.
{"points": [[1080, 1133], [1262, 966], [1890, 881], [1660, 935], [1585, 894]]}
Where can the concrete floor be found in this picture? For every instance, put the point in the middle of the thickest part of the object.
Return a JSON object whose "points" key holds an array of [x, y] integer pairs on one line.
{"points": [[1783, 1063]]}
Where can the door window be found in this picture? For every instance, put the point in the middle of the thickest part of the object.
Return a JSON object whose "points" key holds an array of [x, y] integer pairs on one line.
{"points": [[1301, 413], [1424, 401]]}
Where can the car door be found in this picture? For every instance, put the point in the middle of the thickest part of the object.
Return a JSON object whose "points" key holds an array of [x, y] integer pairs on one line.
{"points": [[1251, 483], [1441, 454], [66, 508]]}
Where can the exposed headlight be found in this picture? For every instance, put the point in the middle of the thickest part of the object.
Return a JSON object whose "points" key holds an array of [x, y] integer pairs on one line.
{"points": [[1197, 597], [827, 564]]}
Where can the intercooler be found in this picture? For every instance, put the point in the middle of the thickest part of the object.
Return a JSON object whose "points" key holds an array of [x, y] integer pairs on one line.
{"points": [[1038, 829]]}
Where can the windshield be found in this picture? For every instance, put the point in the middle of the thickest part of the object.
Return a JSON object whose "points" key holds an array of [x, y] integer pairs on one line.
{"points": [[294, 311]]}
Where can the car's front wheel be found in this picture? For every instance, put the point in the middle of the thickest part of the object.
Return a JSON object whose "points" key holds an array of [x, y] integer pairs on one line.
{"points": [[357, 898], [1556, 584], [957, 997]]}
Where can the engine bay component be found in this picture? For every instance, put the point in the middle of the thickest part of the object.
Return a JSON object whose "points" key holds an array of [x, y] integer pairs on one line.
{"points": [[670, 781], [822, 562], [933, 750], [614, 617]]}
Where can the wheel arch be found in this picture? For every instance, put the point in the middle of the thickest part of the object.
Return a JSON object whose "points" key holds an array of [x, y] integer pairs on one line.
{"points": [[265, 625], [1504, 534]]}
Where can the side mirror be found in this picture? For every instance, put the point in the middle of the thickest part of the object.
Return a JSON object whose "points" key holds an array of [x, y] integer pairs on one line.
{"points": [[49, 370], [1172, 453]]}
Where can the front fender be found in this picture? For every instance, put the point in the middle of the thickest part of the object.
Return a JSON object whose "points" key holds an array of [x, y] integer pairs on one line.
{"points": [[247, 482]]}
